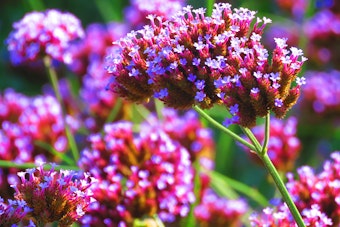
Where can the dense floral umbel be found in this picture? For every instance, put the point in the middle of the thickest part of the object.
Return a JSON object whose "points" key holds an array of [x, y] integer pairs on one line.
{"points": [[192, 59], [320, 99], [40, 34], [214, 211], [136, 13], [283, 147], [54, 196], [139, 175], [323, 35], [13, 212]]}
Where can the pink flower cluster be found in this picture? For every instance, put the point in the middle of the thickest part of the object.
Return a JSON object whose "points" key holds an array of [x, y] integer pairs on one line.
{"points": [[40, 34], [219, 212], [13, 212], [316, 195], [62, 196], [138, 174], [192, 59]]}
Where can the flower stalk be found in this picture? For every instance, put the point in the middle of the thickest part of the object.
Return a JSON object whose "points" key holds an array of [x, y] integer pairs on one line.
{"points": [[261, 151], [54, 81]]}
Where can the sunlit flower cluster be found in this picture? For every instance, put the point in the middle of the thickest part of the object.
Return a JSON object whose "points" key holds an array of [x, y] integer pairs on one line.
{"points": [[62, 196], [192, 59], [13, 212], [40, 34]]}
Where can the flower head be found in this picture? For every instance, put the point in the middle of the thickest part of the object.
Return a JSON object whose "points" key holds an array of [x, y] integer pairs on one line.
{"points": [[224, 47], [138, 175], [40, 34], [13, 212], [52, 195]]}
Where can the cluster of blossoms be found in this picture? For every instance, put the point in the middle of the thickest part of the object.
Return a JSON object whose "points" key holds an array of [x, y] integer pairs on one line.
{"points": [[323, 35], [62, 196], [219, 212], [321, 97], [283, 146], [138, 175], [296, 8], [41, 34], [136, 13], [27, 124], [13, 212], [192, 59], [316, 195]]}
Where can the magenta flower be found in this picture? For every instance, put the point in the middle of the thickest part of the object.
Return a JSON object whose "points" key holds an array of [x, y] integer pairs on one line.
{"points": [[40, 34], [219, 60], [12, 105], [284, 146], [219, 212], [138, 175], [54, 196]]}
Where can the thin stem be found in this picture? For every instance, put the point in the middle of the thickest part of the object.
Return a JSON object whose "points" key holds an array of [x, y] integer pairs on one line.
{"points": [[224, 129], [54, 152], [210, 5], [10, 164], [54, 81], [284, 192], [115, 110], [252, 138], [266, 134]]}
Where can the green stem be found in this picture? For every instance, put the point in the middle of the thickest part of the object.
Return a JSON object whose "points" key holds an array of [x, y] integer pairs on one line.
{"points": [[10, 164], [266, 134], [210, 6], [54, 81], [115, 110], [284, 193], [54, 152], [224, 129]]}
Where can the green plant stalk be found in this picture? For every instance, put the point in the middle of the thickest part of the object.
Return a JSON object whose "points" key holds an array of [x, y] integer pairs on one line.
{"points": [[224, 129], [54, 152], [10, 164], [114, 111], [210, 6], [54, 81], [262, 153], [266, 134]]}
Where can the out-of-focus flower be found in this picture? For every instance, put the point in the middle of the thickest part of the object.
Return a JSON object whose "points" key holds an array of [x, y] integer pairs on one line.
{"points": [[12, 105], [99, 101], [42, 120], [137, 176], [296, 8], [93, 47], [13, 212], [40, 34], [137, 12], [281, 217], [323, 35], [322, 189], [283, 146], [317, 196], [219, 212], [286, 30], [192, 59], [320, 100], [54, 196]]}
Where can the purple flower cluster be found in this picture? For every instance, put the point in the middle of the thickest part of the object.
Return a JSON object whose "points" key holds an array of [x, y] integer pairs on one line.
{"points": [[192, 59], [138, 175], [13, 212], [62, 196], [321, 97], [316, 195], [40, 34], [283, 146], [219, 212], [136, 13]]}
